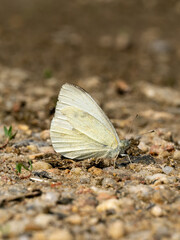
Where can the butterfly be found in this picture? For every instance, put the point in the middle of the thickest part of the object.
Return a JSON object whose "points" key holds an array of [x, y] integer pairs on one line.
{"points": [[80, 129]]}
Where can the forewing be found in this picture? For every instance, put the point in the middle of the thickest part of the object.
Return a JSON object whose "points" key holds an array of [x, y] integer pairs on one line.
{"points": [[71, 95]]}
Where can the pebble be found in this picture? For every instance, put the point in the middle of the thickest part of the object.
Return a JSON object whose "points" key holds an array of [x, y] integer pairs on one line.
{"points": [[110, 204], [176, 155], [13, 227], [127, 203], [76, 170], [54, 171], [160, 178], [39, 236], [106, 41], [4, 216], [155, 149], [167, 169], [164, 154], [95, 171], [27, 142], [44, 135], [46, 149], [161, 147], [143, 147], [63, 234], [161, 94], [168, 146], [108, 182], [40, 165], [36, 156], [161, 196], [90, 83], [175, 236], [24, 237], [99, 228], [122, 86], [123, 41], [85, 180], [105, 196], [116, 230], [161, 231], [93, 221], [112, 106], [141, 191], [156, 115], [156, 177], [23, 127], [43, 220], [167, 135], [32, 148], [37, 206], [67, 35], [16, 75], [50, 197], [156, 211], [160, 46], [74, 219]]}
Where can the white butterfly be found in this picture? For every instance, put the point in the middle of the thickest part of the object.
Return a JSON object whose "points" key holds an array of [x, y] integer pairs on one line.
{"points": [[80, 129]]}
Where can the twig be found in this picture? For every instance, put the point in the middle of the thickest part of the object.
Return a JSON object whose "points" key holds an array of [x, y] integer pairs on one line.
{"points": [[5, 144], [21, 197]]}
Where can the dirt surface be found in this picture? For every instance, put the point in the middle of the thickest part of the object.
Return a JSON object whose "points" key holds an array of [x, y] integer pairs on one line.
{"points": [[126, 54]]}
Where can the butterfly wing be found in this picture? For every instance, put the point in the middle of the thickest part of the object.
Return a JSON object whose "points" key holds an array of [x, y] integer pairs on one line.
{"points": [[80, 129]]}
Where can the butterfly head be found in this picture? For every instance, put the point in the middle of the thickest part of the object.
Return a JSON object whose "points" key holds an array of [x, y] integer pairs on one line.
{"points": [[124, 145]]}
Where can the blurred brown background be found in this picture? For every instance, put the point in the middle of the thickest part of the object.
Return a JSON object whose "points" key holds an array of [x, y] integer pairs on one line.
{"points": [[136, 40], [92, 43]]}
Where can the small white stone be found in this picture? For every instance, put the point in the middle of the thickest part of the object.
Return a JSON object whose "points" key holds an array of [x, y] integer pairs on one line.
{"points": [[46, 149], [50, 197], [77, 170], [43, 220], [32, 148], [122, 41], [41, 166], [61, 234], [74, 219], [167, 169], [45, 134], [143, 147], [93, 221], [91, 82], [176, 155], [116, 229], [158, 177], [108, 204], [175, 236], [156, 211], [108, 182], [15, 227]]}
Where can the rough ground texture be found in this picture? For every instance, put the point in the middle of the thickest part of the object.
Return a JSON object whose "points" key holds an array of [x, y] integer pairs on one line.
{"points": [[126, 54]]}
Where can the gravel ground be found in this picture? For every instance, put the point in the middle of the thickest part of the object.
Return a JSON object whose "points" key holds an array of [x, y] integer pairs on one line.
{"points": [[126, 54]]}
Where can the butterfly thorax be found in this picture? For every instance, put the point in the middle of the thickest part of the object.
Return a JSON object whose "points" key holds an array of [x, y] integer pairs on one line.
{"points": [[123, 146]]}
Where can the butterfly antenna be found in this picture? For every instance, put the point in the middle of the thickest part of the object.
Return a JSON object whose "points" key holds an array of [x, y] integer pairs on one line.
{"points": [[150, 131], [130, 130]]}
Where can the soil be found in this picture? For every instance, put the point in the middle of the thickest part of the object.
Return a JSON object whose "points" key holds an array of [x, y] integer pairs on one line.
{"points": [[126, 54]]}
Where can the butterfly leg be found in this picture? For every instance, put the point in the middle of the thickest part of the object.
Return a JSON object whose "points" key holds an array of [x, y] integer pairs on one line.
{"points": [[126, 155], [115, 163]]}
